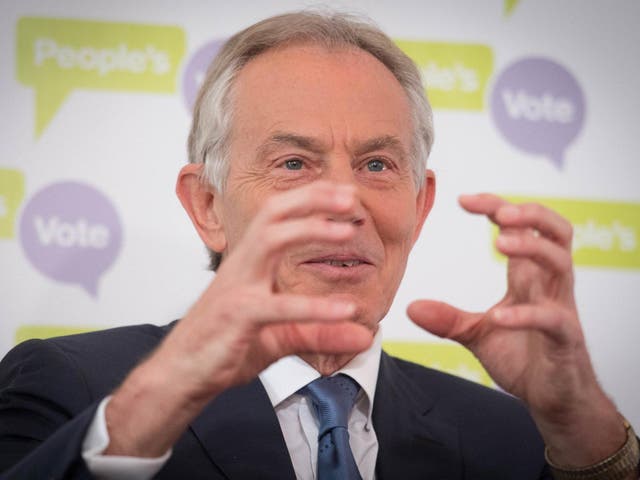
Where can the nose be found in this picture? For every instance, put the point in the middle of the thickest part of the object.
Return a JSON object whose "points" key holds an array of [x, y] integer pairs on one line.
{"points": [[341, 173], [354, 218]]}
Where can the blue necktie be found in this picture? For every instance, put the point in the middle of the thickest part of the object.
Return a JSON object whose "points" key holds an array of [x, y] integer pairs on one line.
{"points": [[333, 399]]}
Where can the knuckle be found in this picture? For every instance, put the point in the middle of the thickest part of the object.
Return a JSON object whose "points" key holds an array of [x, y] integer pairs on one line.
{"points": [[533, 210], [555, 322]]}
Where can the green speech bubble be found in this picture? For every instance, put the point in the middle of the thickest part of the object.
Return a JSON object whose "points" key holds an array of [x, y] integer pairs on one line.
{"points": [[56, 56], [605, 234], [11, 194], [447, 357], [27, 332], [455, 74]]}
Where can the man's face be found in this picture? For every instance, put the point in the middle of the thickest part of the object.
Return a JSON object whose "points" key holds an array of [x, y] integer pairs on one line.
{"points": [[302, 114]]}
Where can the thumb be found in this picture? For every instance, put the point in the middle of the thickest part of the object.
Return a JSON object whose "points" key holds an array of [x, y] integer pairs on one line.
{"points": [[323, 338], [444, 320]]}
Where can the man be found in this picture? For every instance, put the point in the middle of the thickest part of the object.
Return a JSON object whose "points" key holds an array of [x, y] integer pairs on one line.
{"points": [[308, 185]]}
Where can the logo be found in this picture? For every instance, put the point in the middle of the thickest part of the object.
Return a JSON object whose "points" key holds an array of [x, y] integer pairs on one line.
{"points": [[455, 74], [447, 357], [605, 234], [71, 233], [56, 56], [539, 107], [11, 194], [196, 70]]}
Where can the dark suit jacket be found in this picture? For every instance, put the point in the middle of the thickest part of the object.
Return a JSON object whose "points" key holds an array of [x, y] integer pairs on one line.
{"points": [[429, 425]]}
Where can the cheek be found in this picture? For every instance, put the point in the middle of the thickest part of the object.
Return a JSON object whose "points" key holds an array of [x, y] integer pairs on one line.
{"points": [[237, 216], [395, 222]]}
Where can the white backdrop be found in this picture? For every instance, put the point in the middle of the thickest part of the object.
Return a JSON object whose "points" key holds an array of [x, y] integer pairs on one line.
{"points": [[113, 140]]}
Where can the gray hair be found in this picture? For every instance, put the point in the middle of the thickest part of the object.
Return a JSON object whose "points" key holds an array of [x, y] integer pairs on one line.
{"points": [[213, 111]]}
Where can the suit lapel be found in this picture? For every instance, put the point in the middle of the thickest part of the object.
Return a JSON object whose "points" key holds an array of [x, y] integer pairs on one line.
{"points": [[240, 432], [414, 442]]}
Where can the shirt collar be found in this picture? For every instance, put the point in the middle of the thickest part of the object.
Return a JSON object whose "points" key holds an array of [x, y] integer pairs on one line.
{"points": [[289, 374]]}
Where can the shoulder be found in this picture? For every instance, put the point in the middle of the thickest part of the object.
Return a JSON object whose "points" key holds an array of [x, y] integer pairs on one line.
{"points": [[457, 391], [473, 407], [492, 430], [97, 360], [111, 345]]}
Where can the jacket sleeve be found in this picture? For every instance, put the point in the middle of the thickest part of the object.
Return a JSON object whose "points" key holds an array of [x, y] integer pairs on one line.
{"points": [[45, 410]]}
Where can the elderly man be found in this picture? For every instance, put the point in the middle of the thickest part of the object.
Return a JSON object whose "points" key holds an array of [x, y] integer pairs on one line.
{"points": [[308, 185]]}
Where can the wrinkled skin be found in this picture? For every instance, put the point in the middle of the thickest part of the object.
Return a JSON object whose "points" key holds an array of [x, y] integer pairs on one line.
{"points": [[317, 220]]}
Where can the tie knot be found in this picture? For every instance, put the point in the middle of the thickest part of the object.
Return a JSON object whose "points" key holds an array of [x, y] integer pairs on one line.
{"points": [[333, 399]]}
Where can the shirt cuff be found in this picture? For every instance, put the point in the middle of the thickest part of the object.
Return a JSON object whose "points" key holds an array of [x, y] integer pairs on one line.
{"points": [[114, 467]]}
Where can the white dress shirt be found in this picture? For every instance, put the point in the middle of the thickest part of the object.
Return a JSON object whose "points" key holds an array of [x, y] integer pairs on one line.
{"points": [[298, 421], [299, 426]]}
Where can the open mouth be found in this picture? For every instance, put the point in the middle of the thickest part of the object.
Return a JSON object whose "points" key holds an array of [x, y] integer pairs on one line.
{"points": [[339, 267], [342, 263]]}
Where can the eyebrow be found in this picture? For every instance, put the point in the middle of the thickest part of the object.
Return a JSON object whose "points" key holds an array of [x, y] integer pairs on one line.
{"points": [[291, 139], [383, 142]]}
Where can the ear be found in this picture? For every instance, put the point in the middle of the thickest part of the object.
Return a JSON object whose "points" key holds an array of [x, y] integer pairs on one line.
{"points": [[199, 201], [424, 201]]}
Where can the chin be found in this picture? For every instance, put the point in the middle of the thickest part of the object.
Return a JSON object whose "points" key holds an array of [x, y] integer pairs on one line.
{"points": [[370, 309], [367, 312]]}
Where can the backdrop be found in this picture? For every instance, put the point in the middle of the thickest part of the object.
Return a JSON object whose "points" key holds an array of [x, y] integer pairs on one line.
{"points": [[533, 99]]}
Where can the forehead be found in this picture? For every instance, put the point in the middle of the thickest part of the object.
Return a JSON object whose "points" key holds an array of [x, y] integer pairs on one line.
{"points": [[315, 90]]}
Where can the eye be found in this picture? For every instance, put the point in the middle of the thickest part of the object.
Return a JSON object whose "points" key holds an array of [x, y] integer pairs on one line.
{"points": [[293, 164], [376, 165]]}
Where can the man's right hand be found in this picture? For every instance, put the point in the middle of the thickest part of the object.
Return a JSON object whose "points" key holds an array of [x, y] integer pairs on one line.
{"points": [[239, 325]]}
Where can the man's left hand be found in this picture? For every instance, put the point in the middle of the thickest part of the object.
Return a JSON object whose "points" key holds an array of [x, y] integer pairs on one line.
{"points": [[531, 341]]}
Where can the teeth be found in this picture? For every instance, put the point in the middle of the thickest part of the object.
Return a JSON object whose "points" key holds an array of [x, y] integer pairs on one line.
{"points": [[342, 263]]}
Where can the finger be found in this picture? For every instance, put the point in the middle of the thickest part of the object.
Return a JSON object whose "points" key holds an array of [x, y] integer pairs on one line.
{"points": [[445, 321], [538, 217], [482, 204], [275, 239], [304, 309], [528, 215], [541, 250], [317, 197], [340, 338], [555, 323]]}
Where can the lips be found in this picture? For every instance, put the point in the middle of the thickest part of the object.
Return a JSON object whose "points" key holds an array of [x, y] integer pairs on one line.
{"points": [[339, 267], [342, 263], [342, 260]]}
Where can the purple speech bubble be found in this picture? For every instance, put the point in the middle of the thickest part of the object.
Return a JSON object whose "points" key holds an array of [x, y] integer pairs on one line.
{"points": [[538, 106], [71, 233], [196, 70]]}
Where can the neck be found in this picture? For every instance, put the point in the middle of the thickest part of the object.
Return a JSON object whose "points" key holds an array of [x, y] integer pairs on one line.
{"points": [[327, 364]]}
